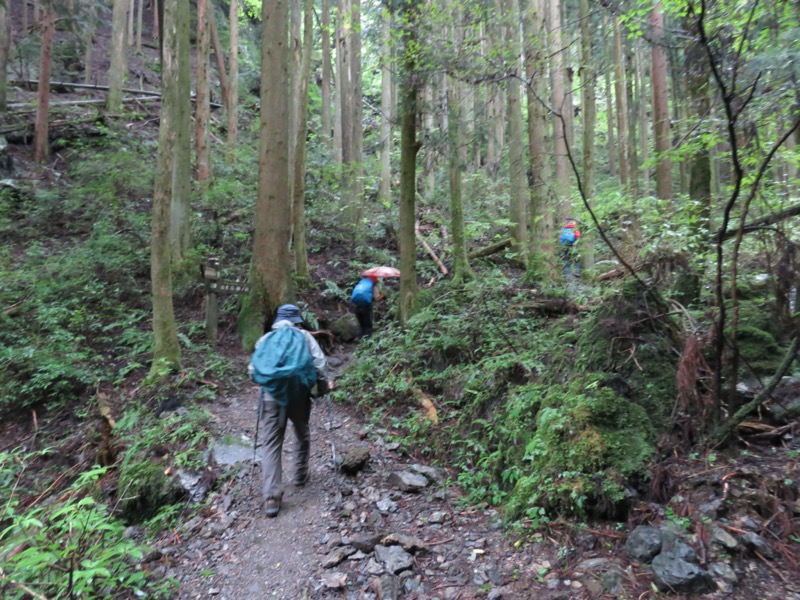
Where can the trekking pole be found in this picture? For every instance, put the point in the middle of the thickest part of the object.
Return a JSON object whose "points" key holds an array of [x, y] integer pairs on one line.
{"points": [[333, 450]]}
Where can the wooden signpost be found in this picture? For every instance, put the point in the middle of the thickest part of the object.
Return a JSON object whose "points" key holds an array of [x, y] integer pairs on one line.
{"points": [[215, 286]]}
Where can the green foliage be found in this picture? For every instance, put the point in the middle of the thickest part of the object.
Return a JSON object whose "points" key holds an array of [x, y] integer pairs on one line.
{"points": [[587, 443], [159, 447], [70, 548]]}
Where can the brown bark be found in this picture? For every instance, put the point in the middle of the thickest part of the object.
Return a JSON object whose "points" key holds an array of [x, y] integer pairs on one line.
{"points": [[621, 93], [5, 44], [41, 146], [232, 95], [325, 85], [119, 63], [202, 108], [661, 133]]}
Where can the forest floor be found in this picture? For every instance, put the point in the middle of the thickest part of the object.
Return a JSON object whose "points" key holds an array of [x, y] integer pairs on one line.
{"points": [[363, 537]]}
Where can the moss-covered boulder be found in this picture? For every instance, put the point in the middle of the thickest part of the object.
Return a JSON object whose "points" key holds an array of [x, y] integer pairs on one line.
{"points": [[146, 484], [346, 328], [590, 448]]}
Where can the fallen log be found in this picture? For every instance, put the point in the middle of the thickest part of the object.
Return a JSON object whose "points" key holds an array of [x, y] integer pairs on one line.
{"points": [[429, 250], [491, 249]]}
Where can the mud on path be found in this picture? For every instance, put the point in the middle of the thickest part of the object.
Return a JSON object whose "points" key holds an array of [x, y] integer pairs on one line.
{"points": [[375, 542]]}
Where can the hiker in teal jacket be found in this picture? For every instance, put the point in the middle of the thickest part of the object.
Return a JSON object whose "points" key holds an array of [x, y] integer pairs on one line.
{"points": [[298, 411]]}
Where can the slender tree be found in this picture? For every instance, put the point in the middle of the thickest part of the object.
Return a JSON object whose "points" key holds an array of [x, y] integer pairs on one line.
{"points": [[232, 99], [611, 146], [385, 190], [202, 99], [327, 69], [299, 188], [41, 138], [90, 10], [409, 92], [621, 93], [559, 107], [269, 273], [5, 44], [658, 74], [119, 63], [541, 256], [182, 167], [166, 351], [516, 151], [589, 115]]}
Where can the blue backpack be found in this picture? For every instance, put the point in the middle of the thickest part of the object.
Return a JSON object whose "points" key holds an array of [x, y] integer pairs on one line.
{"points": [[567, 236], [283, 365], [362, 293]]}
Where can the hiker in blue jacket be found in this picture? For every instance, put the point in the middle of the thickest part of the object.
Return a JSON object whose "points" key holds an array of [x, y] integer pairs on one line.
{"points": [[297, 410], [364, 294], [569, 255]]}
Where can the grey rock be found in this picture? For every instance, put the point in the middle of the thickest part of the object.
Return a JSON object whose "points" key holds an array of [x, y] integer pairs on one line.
{"points": [[673, 543], [337, 557], [595, 564], [438, 517], [355, 460], [394, 558], [407, 542], [407, 481], [411, 584], [720, 537], [386, 587], [386, 505], [723, 572], [431, 473], [672, 573], [643, 543], [366, 542], [374, 567], [756, 542]]}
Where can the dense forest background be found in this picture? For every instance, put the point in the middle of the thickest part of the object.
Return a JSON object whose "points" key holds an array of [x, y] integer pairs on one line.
{"points": [[174, 170]]}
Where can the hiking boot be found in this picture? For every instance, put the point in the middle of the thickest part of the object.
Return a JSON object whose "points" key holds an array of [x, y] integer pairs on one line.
{"points": [[301, 479], [273, 506]]}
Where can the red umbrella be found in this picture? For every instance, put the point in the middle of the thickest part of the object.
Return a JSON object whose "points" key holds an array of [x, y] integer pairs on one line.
{"points": [[381, 272]]}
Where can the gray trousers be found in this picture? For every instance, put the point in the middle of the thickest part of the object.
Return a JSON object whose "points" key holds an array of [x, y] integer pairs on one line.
{"points": [[299, 413]]}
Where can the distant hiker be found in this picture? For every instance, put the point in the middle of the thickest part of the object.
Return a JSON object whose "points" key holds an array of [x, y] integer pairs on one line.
{"points": [[569, 236], [286, 363], [364, 294]]}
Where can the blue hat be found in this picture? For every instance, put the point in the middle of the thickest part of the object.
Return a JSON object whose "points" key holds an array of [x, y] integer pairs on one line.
{"points": [[289, 312]]}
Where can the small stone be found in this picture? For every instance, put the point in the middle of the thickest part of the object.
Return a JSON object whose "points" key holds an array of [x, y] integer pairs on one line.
{"points": [[643, 543], [722, 538], [408, 482], [355, 460]]}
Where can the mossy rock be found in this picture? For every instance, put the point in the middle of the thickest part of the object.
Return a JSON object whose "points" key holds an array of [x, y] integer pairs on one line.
{"points": [[346, 328], [759, 351], [589, 445], [144, 488]]}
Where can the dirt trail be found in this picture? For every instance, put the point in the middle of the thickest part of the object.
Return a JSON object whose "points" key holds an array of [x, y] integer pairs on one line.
{"points": [[318, 548]]}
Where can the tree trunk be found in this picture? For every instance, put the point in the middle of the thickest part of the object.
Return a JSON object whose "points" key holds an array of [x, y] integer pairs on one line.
{"points": [[611, 147], [661, 133], [589, 114], [296, 58], [232, 103], [338, 91], [131, 36], [139, 23], [119, 65], [621, 94], [41, 141], [385, 190], [408, 160], [220, 55], [166, 352], [325, 82], [202, 101], [5, 45], [455, 136], [429, 155], [269, 276], [642, 97], [516, 153], [90, 8], [299, 188], [182, 167], [541, 256], [697, 75], [560, 108]]}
